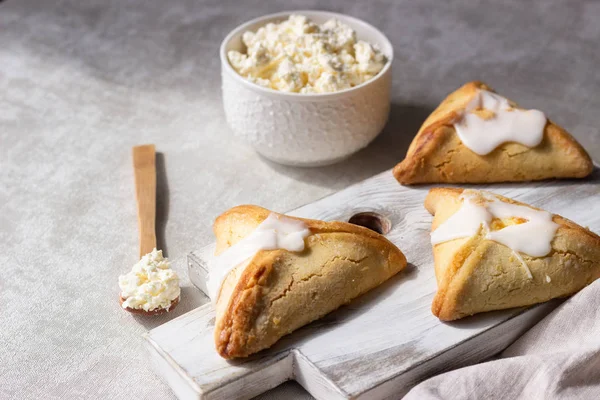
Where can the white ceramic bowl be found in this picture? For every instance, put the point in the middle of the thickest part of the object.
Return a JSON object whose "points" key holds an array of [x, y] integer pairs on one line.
{"points": [[306, 129]]}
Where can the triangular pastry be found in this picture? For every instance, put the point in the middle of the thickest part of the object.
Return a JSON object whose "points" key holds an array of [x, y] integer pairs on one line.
{"points": [[273, 274], [478, 136], [492, 253]]}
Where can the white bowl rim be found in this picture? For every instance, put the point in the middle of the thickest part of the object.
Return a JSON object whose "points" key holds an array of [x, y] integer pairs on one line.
{"points": [[293, 95]]}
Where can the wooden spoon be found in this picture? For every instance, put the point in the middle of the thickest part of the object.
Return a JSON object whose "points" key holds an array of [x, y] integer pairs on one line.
{"points": [[156, 311], [144, 166]]}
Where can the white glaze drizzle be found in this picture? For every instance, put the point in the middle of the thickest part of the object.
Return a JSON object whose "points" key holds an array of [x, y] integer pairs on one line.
{"points": [[275, 232], [507, 124], [533, 237], [523, 263], [465, 222]]}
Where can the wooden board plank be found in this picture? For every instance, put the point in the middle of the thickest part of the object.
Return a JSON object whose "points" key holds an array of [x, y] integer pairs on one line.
{"points": [[382, 343]]}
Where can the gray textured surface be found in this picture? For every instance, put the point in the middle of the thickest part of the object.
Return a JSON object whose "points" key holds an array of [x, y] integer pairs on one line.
{"points": [[82, 82]]}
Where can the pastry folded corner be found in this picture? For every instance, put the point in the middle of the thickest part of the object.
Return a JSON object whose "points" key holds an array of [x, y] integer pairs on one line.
{"points": [[477, 275], [278, 291], [437, 154]]}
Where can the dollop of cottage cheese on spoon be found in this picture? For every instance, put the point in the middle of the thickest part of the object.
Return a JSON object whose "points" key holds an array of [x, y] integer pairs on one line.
{"points": [[150, 284], [298, 55]]}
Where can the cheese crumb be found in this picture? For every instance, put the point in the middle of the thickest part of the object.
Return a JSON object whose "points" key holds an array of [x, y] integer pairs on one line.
{"points": [[150, 284], [300, 56]]}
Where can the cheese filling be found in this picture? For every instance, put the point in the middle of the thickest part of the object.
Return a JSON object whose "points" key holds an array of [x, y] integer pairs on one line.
{"points": [[297, 55], [150, 284]]}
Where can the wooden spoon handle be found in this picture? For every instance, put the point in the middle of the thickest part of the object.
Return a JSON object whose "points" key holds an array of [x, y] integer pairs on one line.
{"points": [[144, 166]]}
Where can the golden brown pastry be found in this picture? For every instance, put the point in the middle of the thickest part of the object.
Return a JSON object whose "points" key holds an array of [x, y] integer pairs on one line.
{"points": [[483, 271], [277, 291], [437, 153]]}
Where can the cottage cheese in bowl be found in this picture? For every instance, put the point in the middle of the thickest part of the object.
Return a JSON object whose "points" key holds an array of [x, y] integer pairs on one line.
{"points": [[306, 88], [301, 56]]}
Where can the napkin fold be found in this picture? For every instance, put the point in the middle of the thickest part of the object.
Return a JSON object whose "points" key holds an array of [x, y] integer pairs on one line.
{"points": [[559, 358]]}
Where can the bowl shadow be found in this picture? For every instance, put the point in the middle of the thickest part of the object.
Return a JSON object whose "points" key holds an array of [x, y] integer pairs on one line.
{"points": [[388, 149]]}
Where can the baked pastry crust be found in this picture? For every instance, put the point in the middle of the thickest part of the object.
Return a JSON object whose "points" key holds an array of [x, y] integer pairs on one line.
{"points": [[278, 291], [476, 274], [437, 154]]}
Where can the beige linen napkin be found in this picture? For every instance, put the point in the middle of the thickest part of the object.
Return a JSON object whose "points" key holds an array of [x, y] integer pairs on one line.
{"points": [[559, 358]]}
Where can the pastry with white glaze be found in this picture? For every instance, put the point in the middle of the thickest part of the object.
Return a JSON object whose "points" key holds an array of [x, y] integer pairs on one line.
{"points": [[273, 274], [478, 136], [492, 253]]}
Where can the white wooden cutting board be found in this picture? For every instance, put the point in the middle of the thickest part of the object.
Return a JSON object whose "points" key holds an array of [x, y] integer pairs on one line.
{"points": [[382, 343]]}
